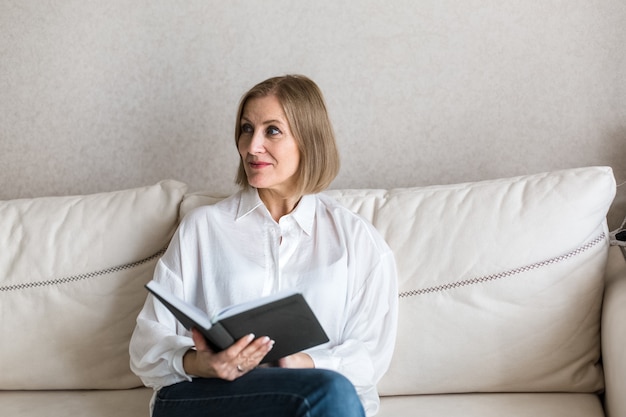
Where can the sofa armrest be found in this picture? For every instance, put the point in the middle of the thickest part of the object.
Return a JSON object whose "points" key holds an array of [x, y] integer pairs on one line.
{"points": [[614, 334]]}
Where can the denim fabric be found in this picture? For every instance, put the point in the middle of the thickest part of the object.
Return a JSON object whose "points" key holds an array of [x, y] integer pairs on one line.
{"points": [[274, 392]]}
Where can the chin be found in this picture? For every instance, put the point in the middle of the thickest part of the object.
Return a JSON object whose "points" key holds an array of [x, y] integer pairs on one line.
{"points": [[258, 184]]}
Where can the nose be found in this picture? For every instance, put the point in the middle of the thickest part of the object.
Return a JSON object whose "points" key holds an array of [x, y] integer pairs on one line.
{"points": [[257, 142]]}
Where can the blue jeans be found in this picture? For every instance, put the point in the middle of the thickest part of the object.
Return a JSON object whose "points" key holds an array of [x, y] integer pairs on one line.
{"points": [[275, 392]]}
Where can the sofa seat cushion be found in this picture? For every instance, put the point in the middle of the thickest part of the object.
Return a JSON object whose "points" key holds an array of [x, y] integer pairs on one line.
{"points": [[493, 405], [86, 403], [135, 402], [72, 271]]}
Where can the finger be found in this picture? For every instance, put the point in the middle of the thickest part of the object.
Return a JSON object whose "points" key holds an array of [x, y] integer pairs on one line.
{"points": [[237, 347], [297, 360], [260, 347], [254, 353], [199, 340]]}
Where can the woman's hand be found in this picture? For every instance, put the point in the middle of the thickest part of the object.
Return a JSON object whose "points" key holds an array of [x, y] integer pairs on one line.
{"points": [[297, 360], [229, 364]]}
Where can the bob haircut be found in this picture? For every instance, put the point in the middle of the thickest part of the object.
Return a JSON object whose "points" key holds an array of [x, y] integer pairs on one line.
{"points": [[305, 110]]}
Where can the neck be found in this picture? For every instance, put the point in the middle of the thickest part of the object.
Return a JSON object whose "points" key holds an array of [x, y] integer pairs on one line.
{"points": [[278, 205]]}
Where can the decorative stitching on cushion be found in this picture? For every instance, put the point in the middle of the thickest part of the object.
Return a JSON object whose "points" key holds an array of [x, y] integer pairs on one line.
{"points": [[81, 277], [505, 274]]}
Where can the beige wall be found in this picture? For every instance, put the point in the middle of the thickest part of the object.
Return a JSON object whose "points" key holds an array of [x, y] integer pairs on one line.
{"points": [[103, 95]]}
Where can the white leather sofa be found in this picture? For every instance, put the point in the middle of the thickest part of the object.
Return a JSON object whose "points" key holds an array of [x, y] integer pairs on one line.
{"points": [[508, 306]]}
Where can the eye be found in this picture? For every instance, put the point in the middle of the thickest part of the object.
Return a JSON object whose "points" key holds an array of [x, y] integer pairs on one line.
{"points": [[273, 131], [247, 128]]}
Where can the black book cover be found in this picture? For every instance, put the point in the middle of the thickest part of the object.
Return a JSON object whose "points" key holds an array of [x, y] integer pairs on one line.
{"points": [[287, 319]]}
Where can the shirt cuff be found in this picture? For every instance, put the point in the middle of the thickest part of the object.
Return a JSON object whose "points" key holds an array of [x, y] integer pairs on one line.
{"points": [[323, 359], [177, 362]]}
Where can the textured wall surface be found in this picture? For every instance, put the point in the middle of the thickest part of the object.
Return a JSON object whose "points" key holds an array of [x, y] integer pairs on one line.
{"points": [[98, 96]]}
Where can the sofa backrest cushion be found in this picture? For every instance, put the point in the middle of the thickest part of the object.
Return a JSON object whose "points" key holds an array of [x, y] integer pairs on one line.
{"points": [[500, 281], [72, 271]]}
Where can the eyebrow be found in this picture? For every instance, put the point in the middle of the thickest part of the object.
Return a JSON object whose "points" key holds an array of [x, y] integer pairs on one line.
{"points": [[266, 122]]}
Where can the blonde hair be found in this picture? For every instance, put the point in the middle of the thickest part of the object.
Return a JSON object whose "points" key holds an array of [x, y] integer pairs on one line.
{"points": [[305, 110]]}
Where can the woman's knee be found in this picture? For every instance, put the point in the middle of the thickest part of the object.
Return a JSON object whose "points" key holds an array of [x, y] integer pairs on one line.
{"points": [[336, 382], [336, 394]]}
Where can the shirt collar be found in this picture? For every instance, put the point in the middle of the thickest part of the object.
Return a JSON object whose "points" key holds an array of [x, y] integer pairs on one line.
{"points": [[303, 214], [249, 200]]}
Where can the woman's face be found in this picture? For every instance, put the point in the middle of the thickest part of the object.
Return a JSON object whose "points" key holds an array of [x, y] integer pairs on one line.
{"points": [[268, 150]]}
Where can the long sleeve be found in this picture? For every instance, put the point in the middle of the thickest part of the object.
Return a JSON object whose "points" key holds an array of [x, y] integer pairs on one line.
{"points": [[159, 341]]}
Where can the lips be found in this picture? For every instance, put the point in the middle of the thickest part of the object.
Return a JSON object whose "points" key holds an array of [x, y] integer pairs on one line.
{"points": [[258, 164]]}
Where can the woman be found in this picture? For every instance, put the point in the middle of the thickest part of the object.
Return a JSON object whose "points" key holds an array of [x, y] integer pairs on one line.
{"points": [[277, 232]]}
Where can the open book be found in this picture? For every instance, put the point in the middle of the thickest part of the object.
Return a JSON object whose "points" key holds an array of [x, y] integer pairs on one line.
{"points": [[284, 317]]}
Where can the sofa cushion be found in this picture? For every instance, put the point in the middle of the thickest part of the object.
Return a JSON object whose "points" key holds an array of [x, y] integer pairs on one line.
{"points": [[500, 281], [78, 403], [72, 271], [134, 403], [493, 405]]}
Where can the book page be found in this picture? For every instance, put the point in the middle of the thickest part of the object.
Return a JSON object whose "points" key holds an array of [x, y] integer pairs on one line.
{"points": [[239, 308]]}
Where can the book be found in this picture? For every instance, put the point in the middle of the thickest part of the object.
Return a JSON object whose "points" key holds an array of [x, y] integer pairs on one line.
{"points": [[284, 317]]}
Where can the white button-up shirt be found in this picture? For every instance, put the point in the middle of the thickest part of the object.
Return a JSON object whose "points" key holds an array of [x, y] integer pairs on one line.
{"points": [[233, 252]]}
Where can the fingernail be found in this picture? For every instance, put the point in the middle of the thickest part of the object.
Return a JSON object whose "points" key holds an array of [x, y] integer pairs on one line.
{"points": [[251, 337]]}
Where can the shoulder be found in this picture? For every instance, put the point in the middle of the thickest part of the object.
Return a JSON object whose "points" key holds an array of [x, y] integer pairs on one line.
{"points": [[338, 210], [207, 214], [352, 224]]}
